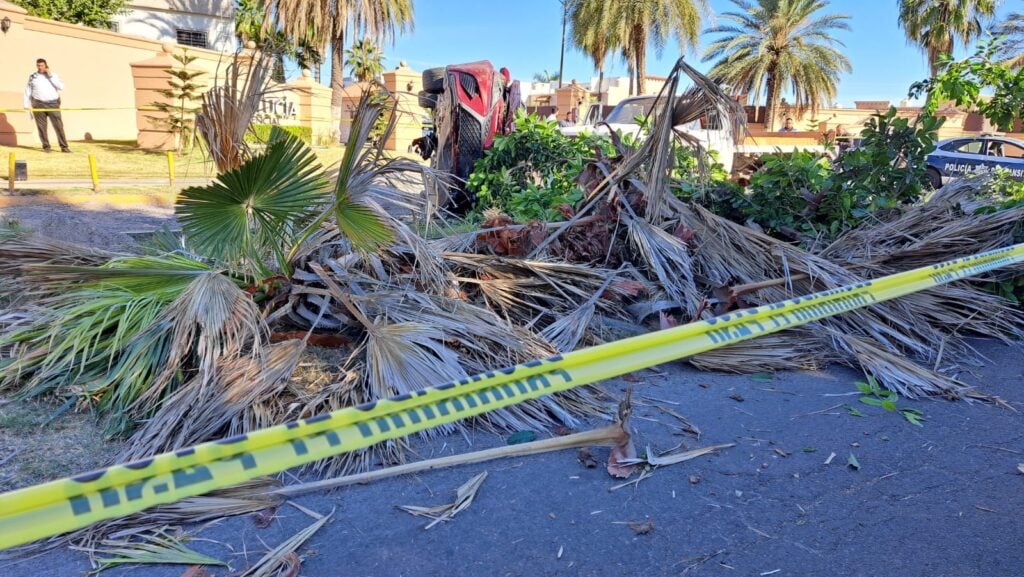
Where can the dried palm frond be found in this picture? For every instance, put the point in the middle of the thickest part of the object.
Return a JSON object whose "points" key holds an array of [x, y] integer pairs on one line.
{"points": [[162, 545], [228, 108], [202, 410], [463, 499], [784, 351], [567, 332], [668, 258], [283, 556], [212, 320]]}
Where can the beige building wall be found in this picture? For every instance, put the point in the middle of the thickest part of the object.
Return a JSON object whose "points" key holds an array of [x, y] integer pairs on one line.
{"points": [[161, 19], [95, 66]]}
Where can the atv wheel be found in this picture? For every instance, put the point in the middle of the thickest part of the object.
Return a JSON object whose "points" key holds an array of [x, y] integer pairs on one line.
{"points": [[427, 100], [433, 80]]}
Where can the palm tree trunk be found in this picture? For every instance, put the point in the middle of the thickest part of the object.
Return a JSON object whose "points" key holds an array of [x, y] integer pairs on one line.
{"points": [[640, 53], [600, 83], [561, 59], [773, 101], [337, 71]]}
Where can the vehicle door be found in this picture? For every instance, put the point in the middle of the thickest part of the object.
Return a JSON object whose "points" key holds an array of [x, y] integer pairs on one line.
{"points": [[1007, 154], [962, 157]]}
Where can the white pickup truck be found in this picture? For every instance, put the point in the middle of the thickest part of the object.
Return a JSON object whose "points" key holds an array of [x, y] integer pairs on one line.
{"points": [[711, 132]]}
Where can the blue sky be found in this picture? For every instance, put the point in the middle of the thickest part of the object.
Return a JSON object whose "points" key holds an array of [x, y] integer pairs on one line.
{"points": [[525, 36]]}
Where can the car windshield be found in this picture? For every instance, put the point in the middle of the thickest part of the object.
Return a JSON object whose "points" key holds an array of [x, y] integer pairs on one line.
{"points": [[626, 112]]}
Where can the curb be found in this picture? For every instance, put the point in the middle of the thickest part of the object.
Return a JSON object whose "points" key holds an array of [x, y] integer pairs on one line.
{"points": [[116, 200]]}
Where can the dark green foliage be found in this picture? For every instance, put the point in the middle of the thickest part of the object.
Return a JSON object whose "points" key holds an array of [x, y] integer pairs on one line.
{"points": [[532, 172], [94, 13], [260, 133], [980, 82], [800, 196], [1008, 193], [888, 167]]}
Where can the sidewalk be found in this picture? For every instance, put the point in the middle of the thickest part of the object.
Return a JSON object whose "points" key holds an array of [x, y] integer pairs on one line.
{"points": [[47, 184]]}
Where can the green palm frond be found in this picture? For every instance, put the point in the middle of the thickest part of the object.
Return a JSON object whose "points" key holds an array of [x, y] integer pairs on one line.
{"points": [[937, 25], [769, 45], [253, 211]]}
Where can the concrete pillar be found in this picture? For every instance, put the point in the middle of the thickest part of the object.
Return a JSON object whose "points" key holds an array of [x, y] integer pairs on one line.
{"points": [[571, 97], [405, 83], [150, 78], [314, 101]]}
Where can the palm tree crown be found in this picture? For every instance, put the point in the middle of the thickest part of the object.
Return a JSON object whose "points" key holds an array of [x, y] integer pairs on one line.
{"points": [[365, 60], [936, 25], [629, 26], [592, 33], [329, 20], [1013, 29], [772, 43]]}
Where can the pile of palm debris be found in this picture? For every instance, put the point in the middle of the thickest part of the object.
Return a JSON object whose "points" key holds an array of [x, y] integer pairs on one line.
{"points": [[206, 333]]}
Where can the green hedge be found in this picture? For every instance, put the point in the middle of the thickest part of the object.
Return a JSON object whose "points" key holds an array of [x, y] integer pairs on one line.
{"points": [[260, 133]]}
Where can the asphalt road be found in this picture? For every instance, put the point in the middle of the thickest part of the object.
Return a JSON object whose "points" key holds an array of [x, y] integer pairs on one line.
{"points": [[942, 500]]}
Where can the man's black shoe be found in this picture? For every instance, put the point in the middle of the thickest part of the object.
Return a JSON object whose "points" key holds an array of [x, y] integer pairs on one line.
{"points": [[65, 150], [47, 150]]}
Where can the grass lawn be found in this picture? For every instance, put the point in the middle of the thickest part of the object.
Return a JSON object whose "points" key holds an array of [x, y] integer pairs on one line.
{"points": [[116, 159]]}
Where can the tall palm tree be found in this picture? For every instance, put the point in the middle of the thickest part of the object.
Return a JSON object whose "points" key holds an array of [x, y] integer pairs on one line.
{"points": [[365, 60], [593, 34], [641, 22], [937, 25], [773, 43], [331, 20], [1013, 29]]}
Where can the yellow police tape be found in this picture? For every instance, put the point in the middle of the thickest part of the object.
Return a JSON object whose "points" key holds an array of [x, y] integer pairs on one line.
{"points": [[138, 109], [67, 504]]}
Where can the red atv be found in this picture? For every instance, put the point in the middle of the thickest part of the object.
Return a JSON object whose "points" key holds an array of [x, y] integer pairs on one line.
{"points": [[471, 103]]}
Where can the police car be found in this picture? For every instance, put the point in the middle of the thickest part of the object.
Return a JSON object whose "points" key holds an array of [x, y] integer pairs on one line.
{"points": [[974, 154]]}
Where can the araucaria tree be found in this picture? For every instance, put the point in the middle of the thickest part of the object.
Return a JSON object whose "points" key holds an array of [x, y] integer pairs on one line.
{"points": [[769, 45]]}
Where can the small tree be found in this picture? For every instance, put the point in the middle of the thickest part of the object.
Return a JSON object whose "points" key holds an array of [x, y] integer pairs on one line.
{"points": [[968, 82], [184, 92]]}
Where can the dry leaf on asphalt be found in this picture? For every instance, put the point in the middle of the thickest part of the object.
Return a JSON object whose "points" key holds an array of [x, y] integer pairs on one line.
{"points": [[463, 499], [283, 561], [196, 571], [674, 458], [586, 458], [642, 527]]}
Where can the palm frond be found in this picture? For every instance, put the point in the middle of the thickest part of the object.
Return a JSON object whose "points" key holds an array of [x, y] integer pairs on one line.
{"points": [[249, 213]]}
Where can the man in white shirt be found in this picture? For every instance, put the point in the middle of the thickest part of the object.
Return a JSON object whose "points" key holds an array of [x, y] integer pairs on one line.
{"points": [[553, 117], [42, 93]]}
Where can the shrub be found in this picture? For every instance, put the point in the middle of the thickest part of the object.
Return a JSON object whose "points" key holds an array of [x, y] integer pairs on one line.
{"points": [[800, 196], [531, 172], [260, 133]]}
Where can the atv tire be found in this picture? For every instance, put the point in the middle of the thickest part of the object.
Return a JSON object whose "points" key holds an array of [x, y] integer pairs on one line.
{"points": [[433, 80], [427, 100]]}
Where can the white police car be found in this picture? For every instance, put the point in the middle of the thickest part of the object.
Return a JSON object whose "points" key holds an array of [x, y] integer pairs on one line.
{"points": [[974, 154]]}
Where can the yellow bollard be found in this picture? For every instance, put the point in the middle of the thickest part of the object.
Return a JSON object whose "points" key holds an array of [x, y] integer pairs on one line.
{"points": [[95, 175], [10, 173], [170, 167]]}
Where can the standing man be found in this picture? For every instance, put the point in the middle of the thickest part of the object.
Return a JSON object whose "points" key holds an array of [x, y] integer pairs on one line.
{"points": [[788, 126], [42, 92]]}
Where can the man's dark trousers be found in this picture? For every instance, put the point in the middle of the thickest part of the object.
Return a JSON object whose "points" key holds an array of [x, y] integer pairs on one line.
{"points": [[54, 116]]}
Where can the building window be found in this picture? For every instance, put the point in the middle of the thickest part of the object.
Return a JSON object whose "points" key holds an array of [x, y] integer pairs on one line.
{"points": [[194, 38]]}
